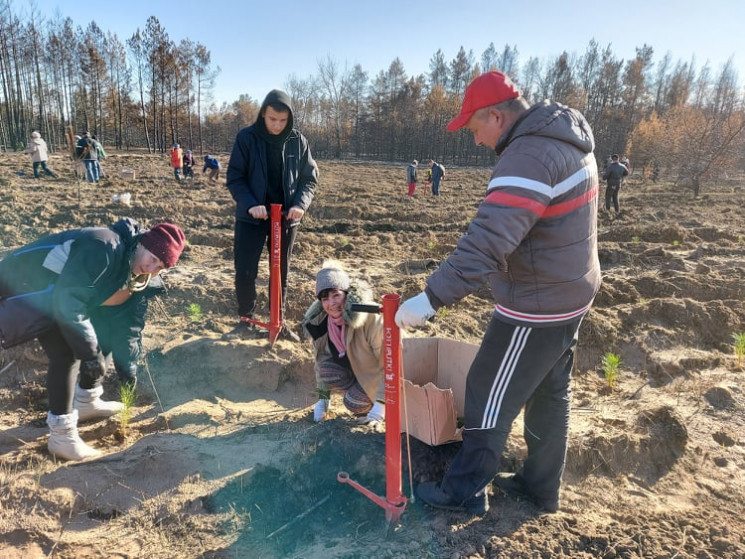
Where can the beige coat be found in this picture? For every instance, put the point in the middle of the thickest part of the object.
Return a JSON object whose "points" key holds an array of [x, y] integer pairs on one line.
{"points": [[364, 339], [37, 147]]}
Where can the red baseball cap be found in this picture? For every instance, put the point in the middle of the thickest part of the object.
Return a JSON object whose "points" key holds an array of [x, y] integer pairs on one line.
{"points": [[486, 90]]}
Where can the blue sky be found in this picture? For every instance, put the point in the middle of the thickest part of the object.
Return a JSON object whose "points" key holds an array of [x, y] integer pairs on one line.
{"points": [[259, 44]]}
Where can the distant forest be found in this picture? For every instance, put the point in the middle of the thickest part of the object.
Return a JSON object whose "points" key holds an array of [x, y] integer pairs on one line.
{"points": [[669, 117]]}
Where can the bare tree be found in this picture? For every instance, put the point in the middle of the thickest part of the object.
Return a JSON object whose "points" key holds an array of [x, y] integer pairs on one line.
{"points": [[460, 71], [137, 48], [489, 58], [357, 90], [205, 79], [438, 70], [334, 85], [507, 62]]}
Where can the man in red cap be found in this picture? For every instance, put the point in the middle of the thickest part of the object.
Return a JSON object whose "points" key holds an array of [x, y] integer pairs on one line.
{"points": [[534, 243], [66, 290]]}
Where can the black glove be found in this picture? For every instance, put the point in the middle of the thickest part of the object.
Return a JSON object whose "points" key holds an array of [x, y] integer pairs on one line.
{"points": [[127, 374], [91, 371]]}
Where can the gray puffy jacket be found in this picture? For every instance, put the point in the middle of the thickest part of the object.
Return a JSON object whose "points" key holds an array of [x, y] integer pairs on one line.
{"points": [[534, 238]]}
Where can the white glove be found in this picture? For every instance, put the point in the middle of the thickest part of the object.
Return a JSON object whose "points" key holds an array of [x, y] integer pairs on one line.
{"points": [[320, 409], [415, 312], [375, 415]]}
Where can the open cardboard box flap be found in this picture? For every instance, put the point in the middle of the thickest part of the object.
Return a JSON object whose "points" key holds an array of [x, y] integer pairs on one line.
{"points": [[434, 371]]}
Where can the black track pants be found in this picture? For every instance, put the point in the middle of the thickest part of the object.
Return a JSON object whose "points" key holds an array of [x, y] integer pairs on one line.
{"points": [[516, 366]]}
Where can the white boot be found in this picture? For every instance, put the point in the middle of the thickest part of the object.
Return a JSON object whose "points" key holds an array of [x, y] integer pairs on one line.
{"points": [[64, 441], [320, 409], [89, 404]]}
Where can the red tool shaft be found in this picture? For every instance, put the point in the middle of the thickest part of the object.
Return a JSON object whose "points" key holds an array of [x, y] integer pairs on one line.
{"points": [[392, 385], [275, 274]]}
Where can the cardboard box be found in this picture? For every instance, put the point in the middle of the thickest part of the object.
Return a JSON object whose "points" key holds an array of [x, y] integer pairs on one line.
{"points": [[434, 371], [128, 174]]}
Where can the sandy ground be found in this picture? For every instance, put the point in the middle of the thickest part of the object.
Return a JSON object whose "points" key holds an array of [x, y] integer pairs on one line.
{"points": [[220, 458]]}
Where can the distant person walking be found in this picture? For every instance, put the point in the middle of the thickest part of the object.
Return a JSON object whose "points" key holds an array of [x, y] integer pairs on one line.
{"points": [[177, 161], [88, 154], [37, 148], [437, 176], [411, 176], [213, 165], [188, 164], [101, 153], [613, 176]]}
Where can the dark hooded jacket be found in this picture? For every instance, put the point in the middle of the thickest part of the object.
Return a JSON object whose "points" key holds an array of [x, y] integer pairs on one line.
{"points": [[62, 280], [534, 238], [614, 174], [247, 177]]}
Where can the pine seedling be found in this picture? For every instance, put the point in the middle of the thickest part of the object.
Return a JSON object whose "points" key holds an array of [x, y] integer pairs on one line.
{"points": [[611, 364], [739, 347], [128, 395], [195, 312], [442, 313]]}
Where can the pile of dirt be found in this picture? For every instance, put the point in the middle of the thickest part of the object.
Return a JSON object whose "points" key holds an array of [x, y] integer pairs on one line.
{"points": [[221, 459]]}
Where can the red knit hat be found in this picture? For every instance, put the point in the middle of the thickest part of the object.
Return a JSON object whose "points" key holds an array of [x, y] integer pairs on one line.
{"points": [[488, 89], [166, 241]]}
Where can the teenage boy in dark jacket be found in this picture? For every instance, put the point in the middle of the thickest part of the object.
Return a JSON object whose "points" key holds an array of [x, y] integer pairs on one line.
{"points": [[69, 290], [270, 163]]}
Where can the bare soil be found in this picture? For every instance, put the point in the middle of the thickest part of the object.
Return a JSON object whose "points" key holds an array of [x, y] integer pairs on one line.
{"points": [[222, 460]]}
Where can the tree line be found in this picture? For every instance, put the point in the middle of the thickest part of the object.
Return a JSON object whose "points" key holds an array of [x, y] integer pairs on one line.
{"points": [[669, 117]]}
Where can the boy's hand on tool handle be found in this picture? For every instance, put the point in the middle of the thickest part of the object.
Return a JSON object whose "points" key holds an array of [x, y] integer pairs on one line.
{"points": [[414, 312], [258, 212], [295, 213]]}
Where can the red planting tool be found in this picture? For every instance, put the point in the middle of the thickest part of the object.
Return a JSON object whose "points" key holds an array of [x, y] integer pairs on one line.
{"points": [[275, 278], [394, 502]]}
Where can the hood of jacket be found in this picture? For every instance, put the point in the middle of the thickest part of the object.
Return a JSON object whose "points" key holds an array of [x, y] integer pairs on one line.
{"points": [[129, 230], [359, 293], [278, 96], [551, 120]]}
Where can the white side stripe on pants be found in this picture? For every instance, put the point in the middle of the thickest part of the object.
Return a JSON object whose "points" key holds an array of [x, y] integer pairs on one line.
{"points": [[504, 374]]}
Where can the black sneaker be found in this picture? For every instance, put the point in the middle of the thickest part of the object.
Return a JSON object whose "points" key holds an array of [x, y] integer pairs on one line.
{"points": [[242, 331], [431, 493], [289, 335], [514, 486]]}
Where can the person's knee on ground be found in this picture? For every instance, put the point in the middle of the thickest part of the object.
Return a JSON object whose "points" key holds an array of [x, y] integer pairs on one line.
{"points": [[356, 401]]}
